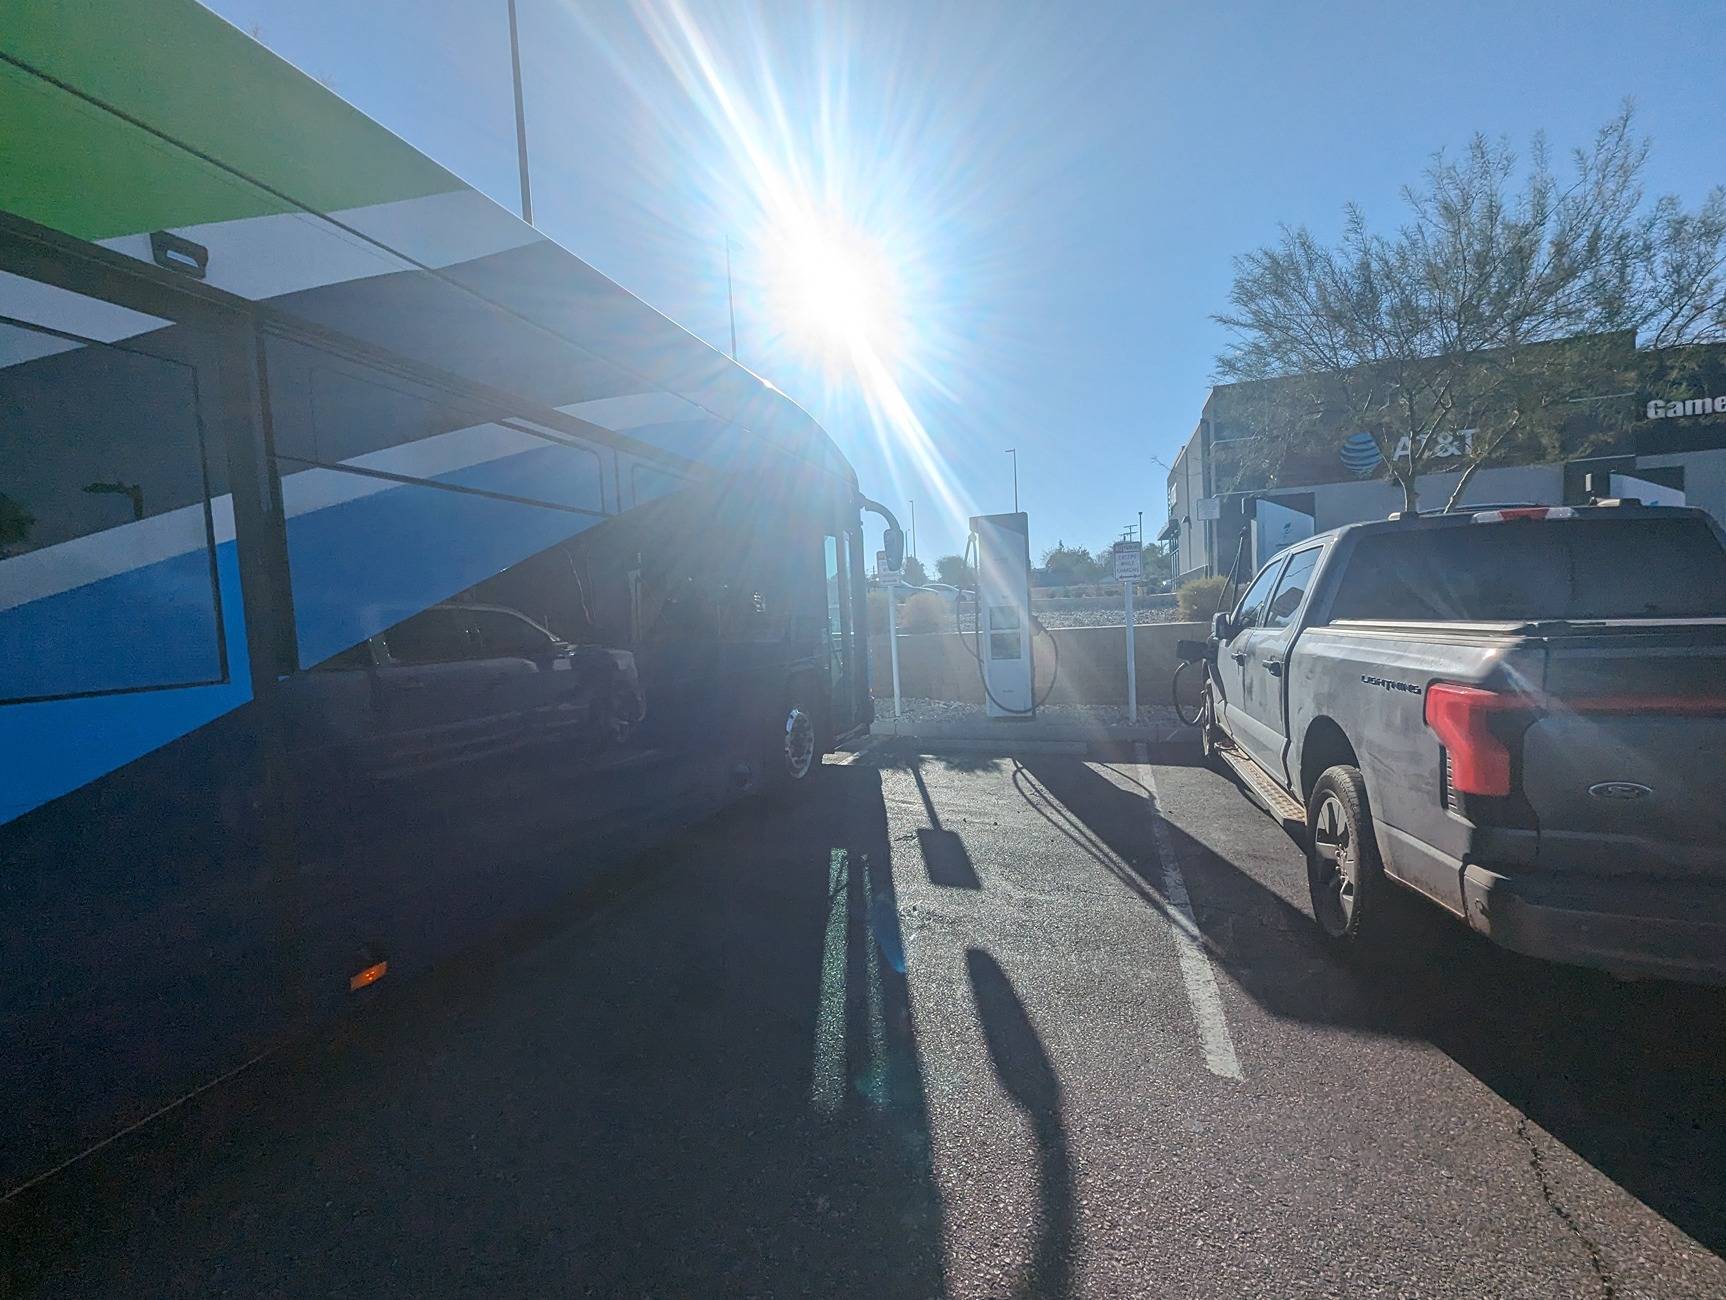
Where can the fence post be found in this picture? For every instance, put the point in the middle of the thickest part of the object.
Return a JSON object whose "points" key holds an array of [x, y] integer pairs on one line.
{"points": [[1132, 665], [893, 643]]}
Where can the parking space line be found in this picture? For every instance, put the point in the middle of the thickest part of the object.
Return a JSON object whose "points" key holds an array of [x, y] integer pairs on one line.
{"points": [[1196, 972]]}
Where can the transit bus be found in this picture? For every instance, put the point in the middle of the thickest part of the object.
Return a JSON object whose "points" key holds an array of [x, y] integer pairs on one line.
{"points": [[372, 571]]}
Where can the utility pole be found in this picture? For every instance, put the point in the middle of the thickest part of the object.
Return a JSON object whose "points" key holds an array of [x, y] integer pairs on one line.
{"points": [[1014, 453], [730, 299], [913, 527], [520, 118]]}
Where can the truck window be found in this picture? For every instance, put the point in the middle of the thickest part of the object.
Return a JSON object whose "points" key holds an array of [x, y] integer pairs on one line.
{"points": [[499, 633], [1539, 569], [434, 636], [1291, 588], [1250, 612]]}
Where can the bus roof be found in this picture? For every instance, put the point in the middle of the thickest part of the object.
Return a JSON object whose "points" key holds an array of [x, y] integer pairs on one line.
{"points": [[200, 151]]}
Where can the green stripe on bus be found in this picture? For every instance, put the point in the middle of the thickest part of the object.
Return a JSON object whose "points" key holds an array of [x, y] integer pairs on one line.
{"points": [[184, 72], [102, 176]]}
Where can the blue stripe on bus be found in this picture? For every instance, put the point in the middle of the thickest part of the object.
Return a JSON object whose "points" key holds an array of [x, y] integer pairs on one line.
{"points": [[52, 747], [364, 565], [561, 475], [150, 626], [358, 568]]}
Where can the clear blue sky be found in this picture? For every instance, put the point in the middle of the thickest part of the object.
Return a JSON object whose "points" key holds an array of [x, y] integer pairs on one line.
{"points": [[1061, 187]]}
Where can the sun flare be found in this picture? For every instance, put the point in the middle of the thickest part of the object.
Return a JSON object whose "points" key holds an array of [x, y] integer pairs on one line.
{"points": [[833, 291]]}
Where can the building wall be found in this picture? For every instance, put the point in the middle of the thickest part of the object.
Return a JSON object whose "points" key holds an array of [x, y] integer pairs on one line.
{"points": [[1704, 478], [1355, 501], [1618, 432]]}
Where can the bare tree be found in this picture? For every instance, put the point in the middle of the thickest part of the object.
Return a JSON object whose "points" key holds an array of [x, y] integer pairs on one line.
{"points": [[1462, 337]]}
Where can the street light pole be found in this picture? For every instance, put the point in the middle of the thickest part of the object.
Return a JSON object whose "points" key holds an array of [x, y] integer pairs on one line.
{"points": [[730, 299], [1014, 453], [520, 117], [913, 527]]}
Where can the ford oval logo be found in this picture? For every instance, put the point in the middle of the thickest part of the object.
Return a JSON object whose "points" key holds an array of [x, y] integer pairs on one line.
{"points": [[1619, 790]]}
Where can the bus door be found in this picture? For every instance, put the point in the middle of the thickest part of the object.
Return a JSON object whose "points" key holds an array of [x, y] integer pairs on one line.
{"points": [[140, 957], [842, 659]]}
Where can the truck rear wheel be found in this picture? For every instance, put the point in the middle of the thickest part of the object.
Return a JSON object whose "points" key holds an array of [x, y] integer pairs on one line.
{"points": [[1344, 872]]}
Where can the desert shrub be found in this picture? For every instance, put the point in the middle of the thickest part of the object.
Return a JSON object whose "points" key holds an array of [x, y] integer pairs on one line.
{"points": [[1197, 598], [924, 612]]}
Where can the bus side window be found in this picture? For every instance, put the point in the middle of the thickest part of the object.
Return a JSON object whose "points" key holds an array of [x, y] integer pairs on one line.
{"points": [[107, 555]]}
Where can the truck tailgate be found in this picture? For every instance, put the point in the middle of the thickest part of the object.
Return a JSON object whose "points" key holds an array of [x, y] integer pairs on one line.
{"points": [[1626, 767]]}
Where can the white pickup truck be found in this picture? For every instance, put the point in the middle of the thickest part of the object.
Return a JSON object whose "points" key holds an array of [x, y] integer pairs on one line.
{"points": [[1518, 714]]}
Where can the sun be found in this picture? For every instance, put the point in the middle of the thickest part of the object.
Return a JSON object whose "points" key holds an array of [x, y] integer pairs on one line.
{"points": [[833, 291]]}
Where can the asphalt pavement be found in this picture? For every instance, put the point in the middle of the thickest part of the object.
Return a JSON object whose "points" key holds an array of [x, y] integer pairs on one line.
{"points": [[947, 1026]]}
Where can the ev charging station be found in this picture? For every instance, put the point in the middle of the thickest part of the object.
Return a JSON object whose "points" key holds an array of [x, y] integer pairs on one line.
{"points": [[1004, 614]]}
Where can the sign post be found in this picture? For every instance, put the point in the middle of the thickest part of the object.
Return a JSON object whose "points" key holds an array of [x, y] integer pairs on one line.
{"points": [[890, 578], [1129, 568]]}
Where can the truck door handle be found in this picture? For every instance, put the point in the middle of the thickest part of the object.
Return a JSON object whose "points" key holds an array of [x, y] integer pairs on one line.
{"points": [[1239, 656], [1274, 667]]}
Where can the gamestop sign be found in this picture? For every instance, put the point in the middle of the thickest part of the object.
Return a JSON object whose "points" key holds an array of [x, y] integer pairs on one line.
{"points": [[1659, 410]]}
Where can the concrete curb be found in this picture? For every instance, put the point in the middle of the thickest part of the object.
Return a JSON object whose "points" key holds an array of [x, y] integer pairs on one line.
{"points": [[1018, 733], [1018, 738]]}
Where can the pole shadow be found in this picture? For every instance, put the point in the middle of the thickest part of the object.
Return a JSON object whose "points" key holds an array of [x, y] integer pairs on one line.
{"points": [[945, 856]]}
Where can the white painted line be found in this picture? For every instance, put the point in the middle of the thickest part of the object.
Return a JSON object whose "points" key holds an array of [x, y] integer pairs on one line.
{"points": [[1196, 973]]}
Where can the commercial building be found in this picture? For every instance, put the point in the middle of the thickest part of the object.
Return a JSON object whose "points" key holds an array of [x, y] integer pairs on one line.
{"points": [[1649, 424]]}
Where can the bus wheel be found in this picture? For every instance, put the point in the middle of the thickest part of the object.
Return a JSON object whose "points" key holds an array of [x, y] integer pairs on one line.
{"points": [[793, 756], [798, 756]]}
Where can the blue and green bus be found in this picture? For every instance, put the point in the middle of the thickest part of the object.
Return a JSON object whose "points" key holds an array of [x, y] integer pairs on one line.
{"points": [[372, 571]]}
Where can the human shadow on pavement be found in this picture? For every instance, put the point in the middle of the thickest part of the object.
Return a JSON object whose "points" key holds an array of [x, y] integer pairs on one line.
{"points": [[1629, 1076], [1028, 1077], [707, 1084]]}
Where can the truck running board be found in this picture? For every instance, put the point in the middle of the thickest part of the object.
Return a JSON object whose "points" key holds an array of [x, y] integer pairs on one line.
{"points": [[1262, 788]]}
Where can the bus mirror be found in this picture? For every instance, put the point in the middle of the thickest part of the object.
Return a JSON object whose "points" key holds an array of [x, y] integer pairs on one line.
{"points": [[893, 543]]}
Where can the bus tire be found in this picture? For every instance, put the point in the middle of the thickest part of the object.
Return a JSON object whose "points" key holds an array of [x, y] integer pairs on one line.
{"points": [[794, 743]]}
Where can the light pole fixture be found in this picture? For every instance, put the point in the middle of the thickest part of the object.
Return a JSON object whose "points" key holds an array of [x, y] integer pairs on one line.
{"points": [[520, 117]]}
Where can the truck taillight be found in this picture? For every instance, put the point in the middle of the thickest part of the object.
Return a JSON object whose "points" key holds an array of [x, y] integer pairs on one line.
{"points": [[1462, 717], [1523, 512]]}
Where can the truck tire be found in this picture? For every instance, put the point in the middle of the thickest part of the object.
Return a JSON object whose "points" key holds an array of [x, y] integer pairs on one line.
{"points": [[1208, 735], [1344, 873]]}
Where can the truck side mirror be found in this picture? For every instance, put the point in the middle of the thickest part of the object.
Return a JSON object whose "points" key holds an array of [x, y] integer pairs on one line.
{"points": [[893, 543], [1221, 627]]}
